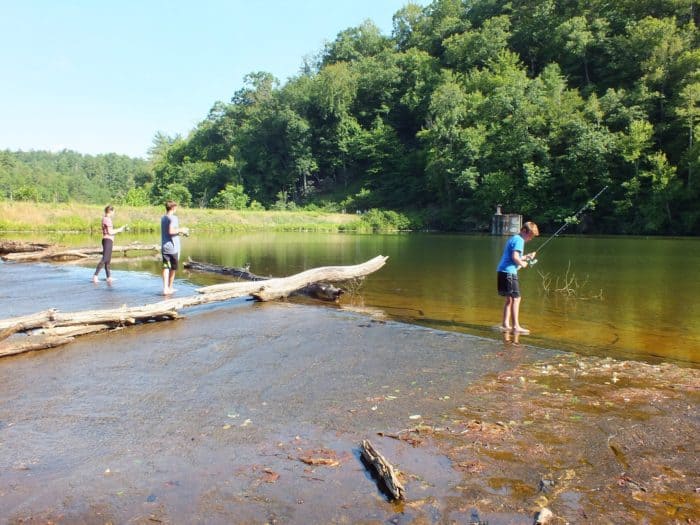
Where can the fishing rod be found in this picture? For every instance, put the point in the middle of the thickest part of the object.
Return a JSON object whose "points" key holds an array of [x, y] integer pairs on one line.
{"points": [[588, 204]]}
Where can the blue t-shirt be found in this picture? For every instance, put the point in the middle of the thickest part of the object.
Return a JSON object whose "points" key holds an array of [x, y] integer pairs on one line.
{"points": [[170, 243], [507, 264]]}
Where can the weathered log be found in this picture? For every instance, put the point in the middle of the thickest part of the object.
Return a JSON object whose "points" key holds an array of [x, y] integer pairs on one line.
{"points": [[28, 344], [19, 246], [242, 273], [96, 320], [384, 470], [47, 338], [58, 254], [24, 323], [321, 291], [281, 287]]}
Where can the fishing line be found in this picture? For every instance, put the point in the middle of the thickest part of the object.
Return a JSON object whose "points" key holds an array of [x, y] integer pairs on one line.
{"points": [[588, 204]]}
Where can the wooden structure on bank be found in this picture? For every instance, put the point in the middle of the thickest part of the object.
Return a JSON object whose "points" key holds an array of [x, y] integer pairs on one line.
{"points": [[52, 328], [505, 223]]}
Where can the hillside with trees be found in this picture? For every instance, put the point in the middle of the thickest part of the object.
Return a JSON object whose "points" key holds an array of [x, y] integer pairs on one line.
{"points": [[65, 176], [534, 105]]}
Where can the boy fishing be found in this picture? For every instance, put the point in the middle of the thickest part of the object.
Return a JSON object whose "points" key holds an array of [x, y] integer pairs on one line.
{"points": [[512, 260]]}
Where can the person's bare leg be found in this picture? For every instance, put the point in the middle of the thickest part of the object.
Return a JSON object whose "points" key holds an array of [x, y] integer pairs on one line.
{"points": [[516, 317], [505, 323], [171, 279], [166, 289]]}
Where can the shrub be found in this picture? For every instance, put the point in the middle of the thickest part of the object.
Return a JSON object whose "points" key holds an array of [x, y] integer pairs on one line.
{"points": [[232, 197], [385, 220]]}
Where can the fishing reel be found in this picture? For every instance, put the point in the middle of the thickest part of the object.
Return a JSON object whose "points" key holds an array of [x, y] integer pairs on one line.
{"points": [[530, 261]]}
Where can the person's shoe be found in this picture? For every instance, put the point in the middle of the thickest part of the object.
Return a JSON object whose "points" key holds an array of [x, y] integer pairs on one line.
{"points": [[95, 279], [110, 280], [504, 328], [520, 330]]}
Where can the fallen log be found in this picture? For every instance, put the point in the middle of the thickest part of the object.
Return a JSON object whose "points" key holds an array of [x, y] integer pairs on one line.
{"points": [[24, 323], [58, 254], [20, 246], [242, 273], [321, 291], [90, 321], [281, 287], [47, 338], [383, 469]]}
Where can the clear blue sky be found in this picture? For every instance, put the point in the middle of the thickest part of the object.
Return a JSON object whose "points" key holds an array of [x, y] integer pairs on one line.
{"points": [[104, 76]]}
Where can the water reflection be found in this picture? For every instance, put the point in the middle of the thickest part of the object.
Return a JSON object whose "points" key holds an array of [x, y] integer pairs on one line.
{"points": [[624, 297]]}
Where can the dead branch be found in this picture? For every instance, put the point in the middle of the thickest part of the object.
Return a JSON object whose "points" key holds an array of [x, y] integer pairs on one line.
{"points": [[242, 273], [384, 470]]}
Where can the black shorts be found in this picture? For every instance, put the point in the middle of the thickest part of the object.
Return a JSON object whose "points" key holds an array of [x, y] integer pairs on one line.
{"points": [[508, 285], [170, 261]]}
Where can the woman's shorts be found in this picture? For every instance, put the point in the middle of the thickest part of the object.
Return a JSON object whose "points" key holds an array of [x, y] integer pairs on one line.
{"points": [[508, 285]]}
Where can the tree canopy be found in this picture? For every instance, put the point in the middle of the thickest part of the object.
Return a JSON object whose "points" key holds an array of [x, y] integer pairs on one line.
{"points": [[534, 105]]}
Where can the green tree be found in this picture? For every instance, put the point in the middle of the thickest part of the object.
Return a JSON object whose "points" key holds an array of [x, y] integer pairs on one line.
{"points": [[232, 197], [689, 111]]}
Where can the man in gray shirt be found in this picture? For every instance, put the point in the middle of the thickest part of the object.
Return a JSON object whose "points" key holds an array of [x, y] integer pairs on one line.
{"points": [[170, 232]]}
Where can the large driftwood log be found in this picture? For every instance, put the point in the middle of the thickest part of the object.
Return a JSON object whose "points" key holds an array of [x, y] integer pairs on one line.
{"points": [[48, 338], [281, 287], [24, 323], [384, 470], [58, 254], [19, 246], [52, 327], [321, 291]]}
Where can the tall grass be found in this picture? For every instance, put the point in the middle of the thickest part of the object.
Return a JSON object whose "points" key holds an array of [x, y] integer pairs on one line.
{"points": [[30, 217]]}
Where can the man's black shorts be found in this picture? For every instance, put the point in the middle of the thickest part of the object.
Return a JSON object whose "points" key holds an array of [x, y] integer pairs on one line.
{"points": [[508, 285], [170, 261]]}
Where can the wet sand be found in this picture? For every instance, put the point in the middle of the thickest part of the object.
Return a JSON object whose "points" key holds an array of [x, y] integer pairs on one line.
{"points": [[215, 418]]}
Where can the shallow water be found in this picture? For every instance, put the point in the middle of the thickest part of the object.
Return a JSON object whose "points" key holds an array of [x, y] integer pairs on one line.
{"points": [[619, 296], [205, 419]]}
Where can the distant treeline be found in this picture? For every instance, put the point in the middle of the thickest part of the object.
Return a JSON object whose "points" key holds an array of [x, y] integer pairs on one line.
{"points": [[534, 105], [64, 176]]}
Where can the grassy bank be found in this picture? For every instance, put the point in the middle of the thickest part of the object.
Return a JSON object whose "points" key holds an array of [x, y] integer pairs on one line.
{"points": [[29, 217]]}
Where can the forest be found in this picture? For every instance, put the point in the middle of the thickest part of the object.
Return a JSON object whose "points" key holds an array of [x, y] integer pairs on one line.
{"points": [[535, 105]]}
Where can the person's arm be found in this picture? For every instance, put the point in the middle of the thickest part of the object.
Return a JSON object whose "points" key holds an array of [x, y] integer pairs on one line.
{"points": [[112, 231], [178, 231], [520, 260]]}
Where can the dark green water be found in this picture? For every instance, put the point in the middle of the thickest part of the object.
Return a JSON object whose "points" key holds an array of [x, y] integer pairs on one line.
{"points": [[626, 297]]}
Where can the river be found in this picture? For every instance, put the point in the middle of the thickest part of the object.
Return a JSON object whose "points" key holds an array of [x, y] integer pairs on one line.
{"points": [[624, 297], [252, 412]]}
